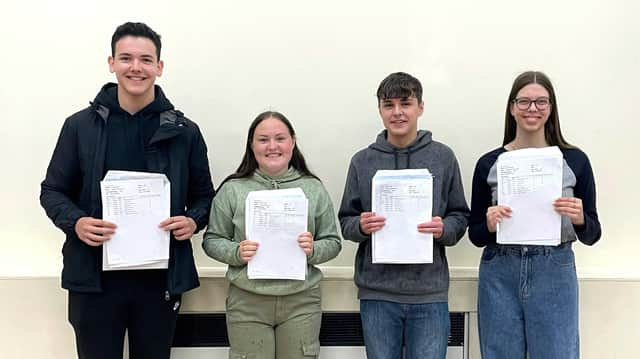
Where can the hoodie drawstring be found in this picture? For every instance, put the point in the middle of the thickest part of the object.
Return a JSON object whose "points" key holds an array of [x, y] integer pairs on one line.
{"points": [[395, 158]]}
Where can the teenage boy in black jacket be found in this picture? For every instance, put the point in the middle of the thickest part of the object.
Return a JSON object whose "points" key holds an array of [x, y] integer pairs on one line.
{"points": [[129, 126]]}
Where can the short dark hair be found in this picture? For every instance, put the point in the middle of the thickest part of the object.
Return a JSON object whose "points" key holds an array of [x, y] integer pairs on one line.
{"points": [[552, 132], [136, 29], [249, 163], [399, 85]]}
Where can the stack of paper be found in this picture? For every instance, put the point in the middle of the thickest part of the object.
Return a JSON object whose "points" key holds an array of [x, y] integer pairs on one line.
{"points": [[404, 198], [136, 202], [529, 181], [275, 219]]}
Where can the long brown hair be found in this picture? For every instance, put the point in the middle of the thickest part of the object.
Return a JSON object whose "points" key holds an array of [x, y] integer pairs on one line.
{"points": [[249, 163], [552, 132]]}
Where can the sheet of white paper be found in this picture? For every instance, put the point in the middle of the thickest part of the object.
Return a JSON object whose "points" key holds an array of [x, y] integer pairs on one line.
{"points": [[405, 199], [529, 181], [160, 264], [136, 202], [275, 219]]}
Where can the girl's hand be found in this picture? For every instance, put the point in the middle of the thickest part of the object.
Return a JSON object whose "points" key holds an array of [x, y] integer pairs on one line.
{"points": [[570, 207], [305, 241], [495, 214], [248, 249]]}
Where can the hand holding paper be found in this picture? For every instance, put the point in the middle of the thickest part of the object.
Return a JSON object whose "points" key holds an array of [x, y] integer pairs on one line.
{"points": [[305, 240], [93, 231], [370, 222], [435, 227], [495, 214], [572, 208], [248, 250], [182, 227]]}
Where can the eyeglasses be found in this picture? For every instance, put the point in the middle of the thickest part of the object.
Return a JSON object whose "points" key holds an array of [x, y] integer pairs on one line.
{"points": [[524, 103]]}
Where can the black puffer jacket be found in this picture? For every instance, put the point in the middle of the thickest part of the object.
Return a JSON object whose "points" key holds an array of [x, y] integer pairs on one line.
{"points": [[71, 188]]}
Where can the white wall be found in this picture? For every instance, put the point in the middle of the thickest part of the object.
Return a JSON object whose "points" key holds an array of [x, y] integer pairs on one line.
{"points": [[320, 64]]}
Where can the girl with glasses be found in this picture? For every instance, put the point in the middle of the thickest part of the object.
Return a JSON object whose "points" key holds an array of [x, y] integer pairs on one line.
{"points": [[528, 294]]}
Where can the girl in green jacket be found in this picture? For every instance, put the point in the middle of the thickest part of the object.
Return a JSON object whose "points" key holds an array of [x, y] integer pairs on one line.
{"points": [[271, 318]]}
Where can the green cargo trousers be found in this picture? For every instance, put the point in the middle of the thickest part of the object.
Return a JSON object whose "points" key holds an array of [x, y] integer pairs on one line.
{"points": [[270, 327]]}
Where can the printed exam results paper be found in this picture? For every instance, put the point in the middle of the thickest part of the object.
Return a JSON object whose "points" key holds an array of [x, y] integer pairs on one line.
{"points": [[136, 202], [529, 181], [405, 199], [275, 219]]}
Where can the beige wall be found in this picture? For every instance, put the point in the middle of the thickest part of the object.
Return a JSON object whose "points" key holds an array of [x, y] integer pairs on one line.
{"points": [[34, 326]]}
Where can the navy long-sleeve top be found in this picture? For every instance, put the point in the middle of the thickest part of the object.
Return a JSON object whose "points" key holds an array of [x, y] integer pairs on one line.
{"points": [[577, 181]]}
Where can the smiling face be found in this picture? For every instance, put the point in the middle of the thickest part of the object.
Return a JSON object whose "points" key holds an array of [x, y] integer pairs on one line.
{"points": [[532, 119], [136, 67], [400, 118], [272, 146]]}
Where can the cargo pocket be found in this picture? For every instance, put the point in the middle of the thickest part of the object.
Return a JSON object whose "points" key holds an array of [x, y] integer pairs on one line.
{"points": [[311, 350], [240, 355]]}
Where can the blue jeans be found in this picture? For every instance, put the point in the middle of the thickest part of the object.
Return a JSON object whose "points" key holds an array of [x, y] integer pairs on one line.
{"points": [[424, 327], [528, 303]]}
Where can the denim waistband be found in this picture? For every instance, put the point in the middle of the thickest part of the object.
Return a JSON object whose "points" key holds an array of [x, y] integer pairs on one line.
{"points": [[523, 250]]}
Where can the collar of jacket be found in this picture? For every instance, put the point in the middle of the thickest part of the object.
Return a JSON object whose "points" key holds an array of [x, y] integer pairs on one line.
{"points": [[172, 123]]}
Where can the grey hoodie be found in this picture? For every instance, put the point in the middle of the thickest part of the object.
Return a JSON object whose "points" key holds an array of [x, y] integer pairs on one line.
{"points": [[404, 283]]}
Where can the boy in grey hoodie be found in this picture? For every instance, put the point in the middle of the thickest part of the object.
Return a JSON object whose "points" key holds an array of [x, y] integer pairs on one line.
{"points": [[404, 303]]}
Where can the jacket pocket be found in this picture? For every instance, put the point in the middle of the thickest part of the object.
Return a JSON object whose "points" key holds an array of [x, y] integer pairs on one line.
{"points": [[240, 355], [157, 160], [311, 350]]}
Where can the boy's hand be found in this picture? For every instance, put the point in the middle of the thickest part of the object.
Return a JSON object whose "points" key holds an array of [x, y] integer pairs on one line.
{"points": [[370, 223], [182, 227], [93, 231], [436, 226]]}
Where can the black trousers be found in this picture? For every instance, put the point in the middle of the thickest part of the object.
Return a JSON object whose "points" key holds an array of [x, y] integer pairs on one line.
{"points": [[134, 301]]}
